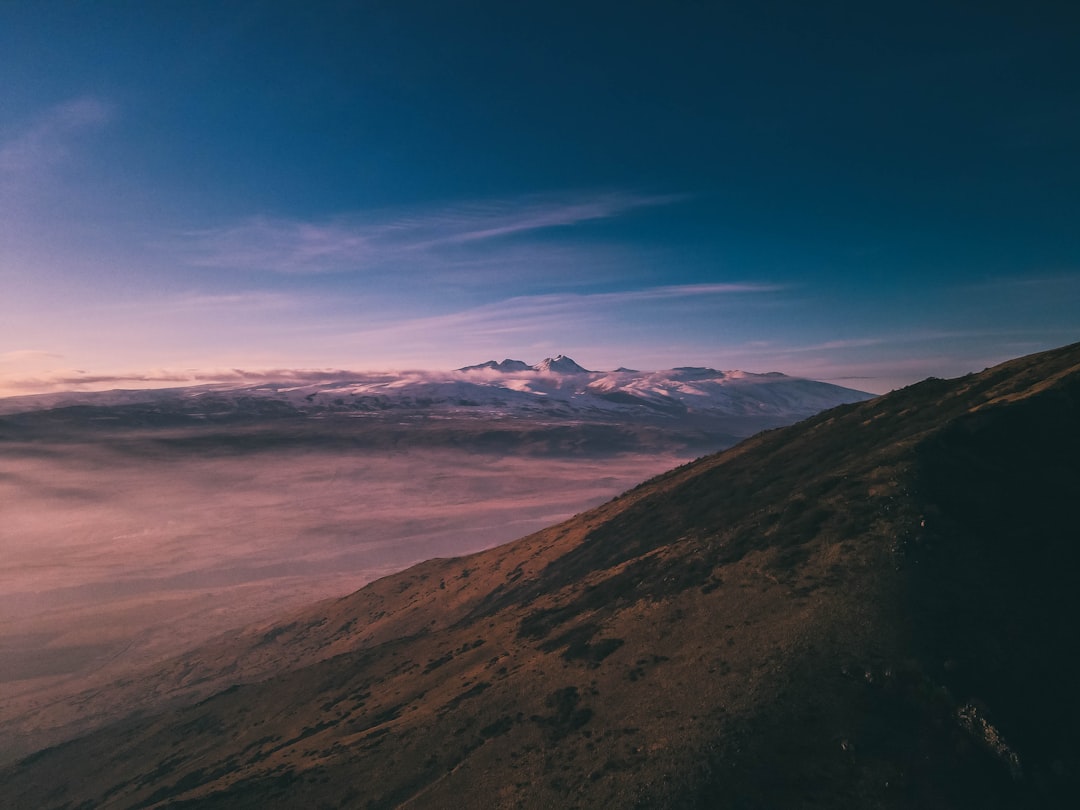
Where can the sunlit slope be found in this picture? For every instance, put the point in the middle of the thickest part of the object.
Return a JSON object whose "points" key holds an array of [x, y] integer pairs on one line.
{"points": [[872, 608]]}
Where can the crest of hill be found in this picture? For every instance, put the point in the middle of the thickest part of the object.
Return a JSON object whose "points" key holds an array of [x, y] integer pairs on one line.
{"points": [[871, 608]]}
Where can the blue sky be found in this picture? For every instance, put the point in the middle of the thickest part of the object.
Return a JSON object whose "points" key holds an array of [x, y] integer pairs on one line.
{"points": [[859, 192]]}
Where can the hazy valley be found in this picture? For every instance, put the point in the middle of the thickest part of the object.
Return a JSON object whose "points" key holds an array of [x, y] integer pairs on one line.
{"points": [[140, 523]]}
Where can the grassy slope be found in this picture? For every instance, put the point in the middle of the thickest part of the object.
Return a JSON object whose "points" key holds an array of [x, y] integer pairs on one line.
{"points": [[869, 609]]}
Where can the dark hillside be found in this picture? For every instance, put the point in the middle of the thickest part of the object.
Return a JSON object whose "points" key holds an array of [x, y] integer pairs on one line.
{"points": [[873, 608]]}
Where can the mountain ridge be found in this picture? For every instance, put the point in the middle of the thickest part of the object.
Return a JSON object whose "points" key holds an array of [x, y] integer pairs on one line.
{"points": [[515, 387], [837, 613], [552, 408]]}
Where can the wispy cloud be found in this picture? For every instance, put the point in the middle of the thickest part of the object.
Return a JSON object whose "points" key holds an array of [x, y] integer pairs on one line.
{"points": [[18, 356], [899, 338], [1047, 282], [78, 380], [231, 304], [673, 291], [374, 241], [478, 222], [885, 361], [46, 141], [546, 315]]}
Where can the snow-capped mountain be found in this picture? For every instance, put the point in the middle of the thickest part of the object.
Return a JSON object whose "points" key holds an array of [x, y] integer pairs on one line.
{"points": [[505, 365], [556, 386], [560, 365]]}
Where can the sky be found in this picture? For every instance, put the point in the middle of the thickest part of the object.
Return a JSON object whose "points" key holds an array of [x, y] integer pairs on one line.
{"points": [[864, 193]]}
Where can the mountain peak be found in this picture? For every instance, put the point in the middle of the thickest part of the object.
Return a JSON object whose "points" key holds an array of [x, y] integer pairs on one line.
{"points": [[560, 365], [504, 366]]}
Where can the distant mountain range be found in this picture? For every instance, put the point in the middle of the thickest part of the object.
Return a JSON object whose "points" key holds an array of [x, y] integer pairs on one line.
{"points": [[556, 388], [874, 607]]}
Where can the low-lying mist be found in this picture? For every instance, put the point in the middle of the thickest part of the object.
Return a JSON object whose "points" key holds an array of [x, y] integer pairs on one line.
{"points": [[115, 554]]}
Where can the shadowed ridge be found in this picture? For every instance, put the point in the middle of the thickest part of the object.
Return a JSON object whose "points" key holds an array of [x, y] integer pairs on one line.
{"points": [[871, 608]]}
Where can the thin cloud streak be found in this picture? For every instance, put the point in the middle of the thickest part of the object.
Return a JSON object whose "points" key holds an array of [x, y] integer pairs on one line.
{"points": [[541, 215], [684, 291], [884, 362], [47, 141], [358, 243], [1069, 281], [552, 313], [76, 380], [256, 301], [28, 356], [773, 349]]}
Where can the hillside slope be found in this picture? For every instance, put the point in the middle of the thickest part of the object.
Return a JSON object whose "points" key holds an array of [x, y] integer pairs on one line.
{"points": [[871, 608]]}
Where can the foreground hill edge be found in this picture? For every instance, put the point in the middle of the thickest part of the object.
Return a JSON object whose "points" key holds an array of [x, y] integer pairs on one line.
{"points": [[871, 605]]}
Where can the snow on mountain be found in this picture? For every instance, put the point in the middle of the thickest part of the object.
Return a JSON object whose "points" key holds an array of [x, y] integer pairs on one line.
{"points": [[555, 386], [560, 365], [705, 390], [504, 366], [549, 365]]}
